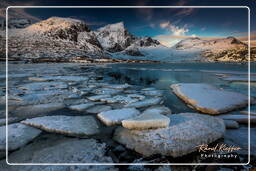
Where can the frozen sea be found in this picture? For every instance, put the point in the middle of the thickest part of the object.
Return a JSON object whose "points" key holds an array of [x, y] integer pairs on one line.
{"points": [[161, 76]]}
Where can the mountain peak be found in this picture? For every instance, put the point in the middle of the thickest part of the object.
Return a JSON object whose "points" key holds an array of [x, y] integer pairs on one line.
{"points": [[233, 40], [115, 38], [57, 20], [58, 27], [216, 44], [230, 37], [193, 38], [114, 27], [57, 23]]}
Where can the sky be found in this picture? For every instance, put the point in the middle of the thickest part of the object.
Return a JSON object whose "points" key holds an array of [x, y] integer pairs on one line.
{"points": [[168, 25]]}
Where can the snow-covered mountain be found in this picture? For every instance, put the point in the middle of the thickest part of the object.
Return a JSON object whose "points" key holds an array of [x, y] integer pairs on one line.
{"points": [[66, 38], [116, 38], [55, 37], [215, 44], [60, 28], [59, 37], [225, 49]]}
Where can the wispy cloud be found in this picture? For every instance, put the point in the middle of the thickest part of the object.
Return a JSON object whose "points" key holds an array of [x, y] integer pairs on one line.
{"points": [[185, 12], [203, 29], [17, 12], [177, 31]]}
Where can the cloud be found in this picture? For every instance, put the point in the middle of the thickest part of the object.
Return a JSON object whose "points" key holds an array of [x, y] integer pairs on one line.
{"points": [[203, 29], [185, 12], [164, 24], [17, 12], [177, 31]]}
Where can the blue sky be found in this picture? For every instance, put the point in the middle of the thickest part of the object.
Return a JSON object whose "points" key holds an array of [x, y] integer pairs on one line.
{"points": [[167, 25]]}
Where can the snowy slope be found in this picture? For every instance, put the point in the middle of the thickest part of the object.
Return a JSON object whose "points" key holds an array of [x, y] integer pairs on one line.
{"points": [[114, 37], [160, 53], [215, 45], [227, 49], [57, 27], [54, 38]]}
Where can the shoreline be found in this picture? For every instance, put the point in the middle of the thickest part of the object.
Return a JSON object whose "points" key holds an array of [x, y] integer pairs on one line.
{"points": [[116, 61]]}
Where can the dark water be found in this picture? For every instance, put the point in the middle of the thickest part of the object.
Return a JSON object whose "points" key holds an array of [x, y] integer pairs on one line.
{"points": [[161, 76]]}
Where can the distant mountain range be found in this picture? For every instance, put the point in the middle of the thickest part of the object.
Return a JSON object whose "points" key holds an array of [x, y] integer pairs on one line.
{"points": [[66, 38], [216, 44]]}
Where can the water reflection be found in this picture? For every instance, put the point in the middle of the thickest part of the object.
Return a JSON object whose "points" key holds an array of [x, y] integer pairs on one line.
{"points": [[161, 76]]}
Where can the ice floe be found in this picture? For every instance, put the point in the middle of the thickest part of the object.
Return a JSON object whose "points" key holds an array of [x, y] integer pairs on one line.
{"points": [[120, 99], [67, 125], [153, 93], [18, 135], [209, 99], [59, 78], [98, 97], [136, 96], [115, 117], [81, 107], [146, 121], [157, 110], [185, 132], [107, 91], [98, 108], [44, 86], [31, 110], [145, 103], [61, 150], [117, 86]]}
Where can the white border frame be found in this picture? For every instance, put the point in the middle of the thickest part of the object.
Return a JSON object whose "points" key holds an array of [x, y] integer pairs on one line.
{"points": [[72, 164]]}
